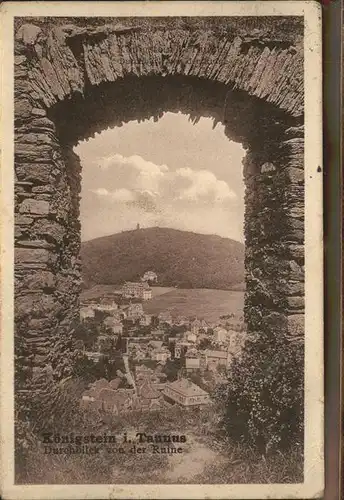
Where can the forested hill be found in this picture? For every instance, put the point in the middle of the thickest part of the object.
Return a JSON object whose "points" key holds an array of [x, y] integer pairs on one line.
{"points": [[180, 258]]}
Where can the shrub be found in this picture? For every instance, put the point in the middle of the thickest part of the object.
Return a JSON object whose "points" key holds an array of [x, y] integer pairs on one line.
{"points": [[262, 399]]}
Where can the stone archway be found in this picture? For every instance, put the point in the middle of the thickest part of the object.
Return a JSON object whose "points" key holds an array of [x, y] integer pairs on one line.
{"points": [[71, 82]]}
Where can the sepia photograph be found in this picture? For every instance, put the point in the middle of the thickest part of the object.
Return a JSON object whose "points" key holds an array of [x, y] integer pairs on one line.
{"points": [[162, 260]]}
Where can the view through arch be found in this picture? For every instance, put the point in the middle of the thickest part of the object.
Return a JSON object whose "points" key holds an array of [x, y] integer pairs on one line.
{"points": [[170, 217]]}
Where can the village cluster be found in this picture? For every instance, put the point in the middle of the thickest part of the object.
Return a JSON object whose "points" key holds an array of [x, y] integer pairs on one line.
{"points": [[152, 347]]}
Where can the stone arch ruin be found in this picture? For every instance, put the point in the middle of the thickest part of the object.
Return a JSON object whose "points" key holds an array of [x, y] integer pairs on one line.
{"points": [[72, 81]]}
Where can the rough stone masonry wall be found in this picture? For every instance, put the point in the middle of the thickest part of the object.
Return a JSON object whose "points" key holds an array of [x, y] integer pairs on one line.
{"points": [[274, 232], [63, 66]]}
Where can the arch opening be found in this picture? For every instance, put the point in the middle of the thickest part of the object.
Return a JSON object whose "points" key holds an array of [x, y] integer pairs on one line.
{"points": [[264, 132], [162, 197]]}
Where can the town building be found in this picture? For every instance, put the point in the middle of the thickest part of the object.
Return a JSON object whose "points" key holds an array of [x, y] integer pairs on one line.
{"points": [[150, 276], [192, 363], [220, 334], [155, 344], [192, 359], [165, 317], [135, 311], [236, 343], [181, 320], [93, 356], [157, 333], [87, 312], [107, 399], [136, 290], [162, 354], [114, 324], [105, 343], [186, 393], [213, 359], [146, 320], [190, 337], [147, 294], [106, 305], [198, 326], [195, 326], [181, 347]]}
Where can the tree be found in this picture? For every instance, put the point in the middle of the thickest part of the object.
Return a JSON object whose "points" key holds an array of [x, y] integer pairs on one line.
{"points": [[155, 321], [221, 369], [171, 369], [84, 368], [204, 344], [262, 399]]}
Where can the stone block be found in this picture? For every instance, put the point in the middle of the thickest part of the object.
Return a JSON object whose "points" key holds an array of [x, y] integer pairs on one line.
{"points": [[43, 123], [296, 223], [17, 232], [40, 324], [296, 235], [39, 112], [43, 189], [23, 196], [39, 280], [52, 231], [36, 138], [35, 172], [22, 220], [296, 303], [299, 141], [35, 244], [296, 272], [21, 186], [19, 60], [297, 212], [295, 175], [36, 306], [40, 360], [296, 288], [20, 71], [38, 207], [33, 152], [22, 108], [27, 255], [297, 252], [24, 304], [44, 197], [28, 33], [296, 325], [296, 132]]}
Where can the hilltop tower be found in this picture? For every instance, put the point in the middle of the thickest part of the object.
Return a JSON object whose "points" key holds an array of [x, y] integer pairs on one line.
{"points": [[137, 226]]}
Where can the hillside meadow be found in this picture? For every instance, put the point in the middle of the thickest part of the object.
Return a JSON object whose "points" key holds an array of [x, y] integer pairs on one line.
{"points": [[204, 303]]}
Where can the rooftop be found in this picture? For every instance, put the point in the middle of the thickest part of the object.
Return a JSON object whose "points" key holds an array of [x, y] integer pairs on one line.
{"points": [[118, 397], [147, 390], [156, 344], [187, 388], [217, 354]]}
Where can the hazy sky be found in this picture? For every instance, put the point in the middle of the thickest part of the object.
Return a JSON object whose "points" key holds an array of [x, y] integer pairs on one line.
{"points": [[169, 173]]}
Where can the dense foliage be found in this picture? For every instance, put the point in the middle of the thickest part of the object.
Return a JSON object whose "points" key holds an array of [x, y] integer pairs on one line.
{"points": [[180, 258], [262, 399]]}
